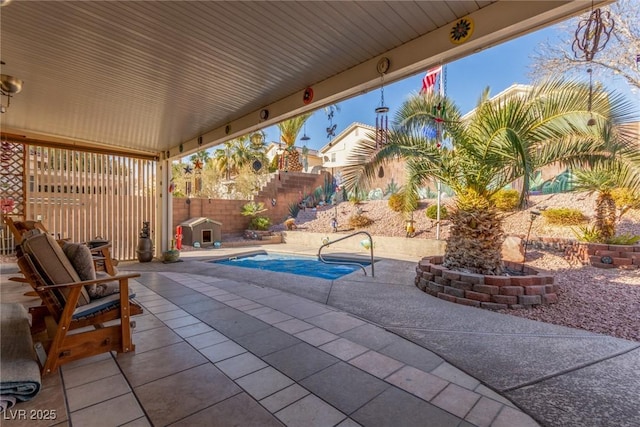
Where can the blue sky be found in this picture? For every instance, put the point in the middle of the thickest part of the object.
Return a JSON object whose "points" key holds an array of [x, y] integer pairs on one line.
{"points": [[498, 67]]}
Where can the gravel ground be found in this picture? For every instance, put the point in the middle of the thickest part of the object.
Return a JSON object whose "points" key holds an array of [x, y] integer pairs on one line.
{"points": [[593, 299]]}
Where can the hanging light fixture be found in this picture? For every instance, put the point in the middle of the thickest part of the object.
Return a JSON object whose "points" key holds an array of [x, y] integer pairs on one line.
{"points": [[305, 138], [9, 86], [382, 120]]}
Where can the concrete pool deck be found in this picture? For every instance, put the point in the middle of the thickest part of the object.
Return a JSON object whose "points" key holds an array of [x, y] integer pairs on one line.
{"points": [[369, 350]]}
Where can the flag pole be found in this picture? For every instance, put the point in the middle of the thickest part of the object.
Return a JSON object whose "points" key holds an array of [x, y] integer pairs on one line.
{"points": [[439, 136]]}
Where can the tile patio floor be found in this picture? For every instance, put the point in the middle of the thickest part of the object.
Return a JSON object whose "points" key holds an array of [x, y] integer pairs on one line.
{"points": [[219, 352]]}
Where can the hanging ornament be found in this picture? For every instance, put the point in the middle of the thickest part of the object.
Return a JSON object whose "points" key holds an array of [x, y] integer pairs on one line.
{"points": [[331, 130], [382, 120], [439, 112], [592, 34]]}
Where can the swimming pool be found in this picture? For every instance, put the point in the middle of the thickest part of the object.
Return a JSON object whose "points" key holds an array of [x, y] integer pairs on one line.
{"points": [[293, 264]]}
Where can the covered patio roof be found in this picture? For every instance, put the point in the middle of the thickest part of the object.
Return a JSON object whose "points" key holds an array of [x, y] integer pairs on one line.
{"points": [[166, 78]]}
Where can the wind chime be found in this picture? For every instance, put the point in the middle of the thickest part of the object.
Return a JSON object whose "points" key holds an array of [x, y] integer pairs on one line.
{"points": [[197, 168], [382, 120], [438, 112], [305, 149], [591, 37], [188, 170]]}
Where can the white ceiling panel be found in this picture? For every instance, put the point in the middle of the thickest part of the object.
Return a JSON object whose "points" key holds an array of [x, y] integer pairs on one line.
{"points": [[152, 75]]}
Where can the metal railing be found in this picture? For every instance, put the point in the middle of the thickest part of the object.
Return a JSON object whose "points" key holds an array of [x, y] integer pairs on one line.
{"points": [[348, 262]]}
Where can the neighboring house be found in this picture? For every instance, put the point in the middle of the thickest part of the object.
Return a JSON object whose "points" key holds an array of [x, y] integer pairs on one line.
{"points": [[336, 154]]}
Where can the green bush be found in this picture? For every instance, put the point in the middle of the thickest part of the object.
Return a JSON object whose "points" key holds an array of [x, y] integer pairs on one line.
{"points": [[359, 221], [432, 212], [564, 216], [506, 200], [261, 223]]}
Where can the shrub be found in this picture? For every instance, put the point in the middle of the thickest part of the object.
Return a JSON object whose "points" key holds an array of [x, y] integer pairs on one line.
{"points": [[624, 197], [252, 209], [261, 223], [432, 212], [396, 202], [506, 200], [588, 234], [624, 239], [359, 221], [294, 209], [564, 216]]}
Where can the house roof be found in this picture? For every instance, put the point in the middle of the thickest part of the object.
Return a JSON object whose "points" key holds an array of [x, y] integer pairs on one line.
{"points": [[346, 131]]}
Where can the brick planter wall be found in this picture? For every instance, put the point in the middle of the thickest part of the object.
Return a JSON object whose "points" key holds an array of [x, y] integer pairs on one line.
{"points": [[621, 256], [490, 292]]}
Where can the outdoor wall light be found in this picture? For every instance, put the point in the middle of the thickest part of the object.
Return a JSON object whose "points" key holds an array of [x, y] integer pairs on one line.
{"points": [[9, 86]]}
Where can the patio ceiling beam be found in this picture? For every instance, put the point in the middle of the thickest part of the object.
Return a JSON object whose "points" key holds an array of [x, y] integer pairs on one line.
{"points": [[65, 144], [496, 23]]}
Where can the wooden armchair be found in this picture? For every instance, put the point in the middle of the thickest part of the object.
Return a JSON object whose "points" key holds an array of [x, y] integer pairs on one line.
{"points": [[67, 307], [101, 250]]}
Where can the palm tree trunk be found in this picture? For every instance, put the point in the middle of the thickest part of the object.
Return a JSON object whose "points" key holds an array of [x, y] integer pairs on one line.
{"points": [[605, 215], [475, 241]]}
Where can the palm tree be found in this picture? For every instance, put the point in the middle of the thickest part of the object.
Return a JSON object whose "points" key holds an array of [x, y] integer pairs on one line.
{"points": [[604, 180], [289, 130], [224, 160], [202, 155], [502, 140]]}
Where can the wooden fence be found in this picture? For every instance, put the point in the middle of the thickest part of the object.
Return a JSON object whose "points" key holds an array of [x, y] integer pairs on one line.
{"points": [[82, 196]]}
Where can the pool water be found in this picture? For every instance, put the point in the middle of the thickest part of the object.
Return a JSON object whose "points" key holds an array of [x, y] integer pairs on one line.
{"points": [[292, 264]]}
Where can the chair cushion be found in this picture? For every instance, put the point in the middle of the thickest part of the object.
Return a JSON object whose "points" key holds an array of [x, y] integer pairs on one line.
{"points": [[100, 304], [52, 263]]}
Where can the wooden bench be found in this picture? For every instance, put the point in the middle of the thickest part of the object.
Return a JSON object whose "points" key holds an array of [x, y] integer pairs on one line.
{"points": [[68, 307]]}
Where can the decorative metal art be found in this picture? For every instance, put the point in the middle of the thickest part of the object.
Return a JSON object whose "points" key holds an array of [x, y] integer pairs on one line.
{"points": [[592, 34], [461, 31], [197, 169], [307, 96], [331, 130]]}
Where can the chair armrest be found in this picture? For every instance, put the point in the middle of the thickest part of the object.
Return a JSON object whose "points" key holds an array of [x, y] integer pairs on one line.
{"points": [[119, 277], [99, 248]]}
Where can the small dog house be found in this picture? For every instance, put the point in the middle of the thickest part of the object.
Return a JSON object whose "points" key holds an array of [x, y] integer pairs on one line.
{"points": [[202, 230]]}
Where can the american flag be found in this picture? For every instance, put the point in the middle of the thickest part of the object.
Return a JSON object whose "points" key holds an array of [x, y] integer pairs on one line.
{"points": [[429, 80]]}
